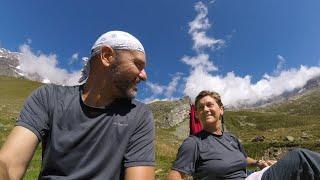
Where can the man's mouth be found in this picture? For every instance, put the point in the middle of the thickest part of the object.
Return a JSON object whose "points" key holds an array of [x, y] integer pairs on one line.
{"points": [[135, 88]]}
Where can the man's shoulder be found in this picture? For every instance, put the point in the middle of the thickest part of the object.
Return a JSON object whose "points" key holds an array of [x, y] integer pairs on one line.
{"points": [[54, 92], [56, 87], [139, 103], [59, 89]]}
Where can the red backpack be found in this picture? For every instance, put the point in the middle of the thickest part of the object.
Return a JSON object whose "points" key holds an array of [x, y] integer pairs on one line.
{"points": [[194, 123]]}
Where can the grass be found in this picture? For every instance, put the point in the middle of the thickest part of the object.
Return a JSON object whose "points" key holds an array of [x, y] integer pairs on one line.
{"points": [[306, 104], [13, 93], [34, 167], [296, 118]]}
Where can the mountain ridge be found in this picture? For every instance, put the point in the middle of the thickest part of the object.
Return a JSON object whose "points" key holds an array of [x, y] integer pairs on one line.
{"points": [[9, 66]]}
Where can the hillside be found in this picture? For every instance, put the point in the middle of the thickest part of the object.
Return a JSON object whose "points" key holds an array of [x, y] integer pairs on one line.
{"points": [[13, 92], [265, 132], [298, 117]]}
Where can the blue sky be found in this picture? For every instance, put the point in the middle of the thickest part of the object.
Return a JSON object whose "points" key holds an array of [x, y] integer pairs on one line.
{"points": [[246, 50]]}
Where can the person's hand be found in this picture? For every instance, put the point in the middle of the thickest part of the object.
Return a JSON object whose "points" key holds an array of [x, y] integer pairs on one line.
{"points": [[262, 164], [271, 162]]}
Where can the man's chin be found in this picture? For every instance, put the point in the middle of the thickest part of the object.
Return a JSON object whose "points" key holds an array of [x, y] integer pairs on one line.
{"points": [[131, 93], [127, 92]]}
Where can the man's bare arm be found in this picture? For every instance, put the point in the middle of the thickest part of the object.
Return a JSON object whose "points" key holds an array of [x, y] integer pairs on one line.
{"points": [[140, 173], [17, 152], [3, 171], [176, 175]]}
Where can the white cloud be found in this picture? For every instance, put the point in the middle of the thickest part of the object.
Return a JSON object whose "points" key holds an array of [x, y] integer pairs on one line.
{"points": [[155, 88], [280, 65], [46, 66], [152, 99], [198, 28], [29, 41], [201, 61], [172, 87], [235, 90], [74, 58], [165, 91]]}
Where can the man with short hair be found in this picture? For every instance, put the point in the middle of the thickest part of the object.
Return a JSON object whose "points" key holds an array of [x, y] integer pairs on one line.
{"points": [[92, 131]]}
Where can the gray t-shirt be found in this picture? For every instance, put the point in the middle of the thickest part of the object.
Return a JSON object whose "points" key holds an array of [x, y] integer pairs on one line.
{"points": [[210, 156], [82, 142]]}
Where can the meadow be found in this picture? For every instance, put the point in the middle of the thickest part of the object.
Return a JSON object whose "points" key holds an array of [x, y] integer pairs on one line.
{"points": [[299, 118]]}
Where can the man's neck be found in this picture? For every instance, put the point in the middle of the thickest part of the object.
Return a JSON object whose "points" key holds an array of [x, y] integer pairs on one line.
{"points": [[97, 94]]}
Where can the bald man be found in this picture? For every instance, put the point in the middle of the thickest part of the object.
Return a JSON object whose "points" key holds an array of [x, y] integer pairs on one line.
{"points": [[92, 131]]}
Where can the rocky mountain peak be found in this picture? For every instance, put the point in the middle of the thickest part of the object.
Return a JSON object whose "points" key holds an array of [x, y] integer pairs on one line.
{"points": [[9, 66]]}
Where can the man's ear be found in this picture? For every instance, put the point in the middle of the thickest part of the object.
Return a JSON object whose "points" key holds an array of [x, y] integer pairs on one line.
{"points": [[106, 55]]}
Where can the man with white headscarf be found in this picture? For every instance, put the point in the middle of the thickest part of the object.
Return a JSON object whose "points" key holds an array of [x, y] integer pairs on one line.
{"points": [[92, 131]]}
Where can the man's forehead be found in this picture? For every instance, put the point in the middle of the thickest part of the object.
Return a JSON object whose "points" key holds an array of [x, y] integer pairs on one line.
{"points": [[133, 54], [118, 40]]}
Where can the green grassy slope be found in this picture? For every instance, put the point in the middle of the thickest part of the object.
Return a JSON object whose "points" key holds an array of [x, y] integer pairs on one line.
{"points": [[13, 93], [305, 104], [298, 118]]}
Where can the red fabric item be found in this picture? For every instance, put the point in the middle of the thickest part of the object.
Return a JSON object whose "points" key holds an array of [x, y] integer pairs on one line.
{"points": [[194, 124]]}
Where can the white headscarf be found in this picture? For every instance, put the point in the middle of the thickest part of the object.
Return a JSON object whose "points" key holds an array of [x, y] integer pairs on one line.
{"points": [[115, 39]]}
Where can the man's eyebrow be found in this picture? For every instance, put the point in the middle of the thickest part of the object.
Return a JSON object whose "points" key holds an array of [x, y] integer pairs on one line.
{"points": [[140, 61]]}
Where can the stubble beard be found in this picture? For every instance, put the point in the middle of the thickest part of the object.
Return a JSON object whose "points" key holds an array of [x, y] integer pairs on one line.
{"points": [[126, 89]]}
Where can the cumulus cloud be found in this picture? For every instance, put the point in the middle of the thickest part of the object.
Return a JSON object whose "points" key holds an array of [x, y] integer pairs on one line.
{"points": [[201, 61], [155, 88], [172, 87], [280, 65], [29, 41], [198, 28], [46, 66], [164, 91], [74, 58], [235, 90]]}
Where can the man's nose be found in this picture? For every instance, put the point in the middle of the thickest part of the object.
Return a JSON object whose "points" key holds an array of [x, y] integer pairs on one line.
{"points": [[143, 75]]}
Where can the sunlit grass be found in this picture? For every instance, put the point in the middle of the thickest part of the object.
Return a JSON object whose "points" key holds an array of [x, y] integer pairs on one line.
{"points": [[13, 93], [295, 118]]}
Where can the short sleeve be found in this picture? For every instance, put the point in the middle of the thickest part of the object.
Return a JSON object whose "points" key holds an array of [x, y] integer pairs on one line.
{"points": [[241, 148], [35, 112], [186, 157], [140, 149]]}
